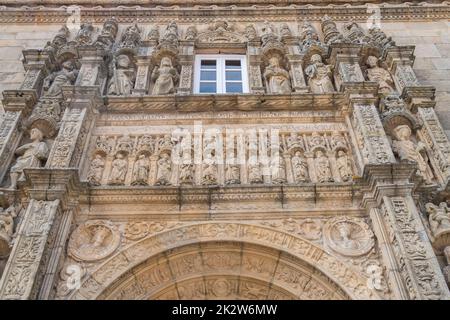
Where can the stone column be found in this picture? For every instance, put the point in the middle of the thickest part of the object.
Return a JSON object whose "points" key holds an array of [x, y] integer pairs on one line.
{"points": [[187, 67]]}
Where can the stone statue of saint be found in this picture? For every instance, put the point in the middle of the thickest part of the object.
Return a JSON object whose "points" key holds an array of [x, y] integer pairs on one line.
{"points": [[299, 167], [408, 151], [164, 170], [254, 173], [323, 171], [54, 82], [30, 156], [439, 217], [95, 173], [344, 166], [119, 170], [123, 76], [278, 170], [141, 170], [165, 77], [380, 76], [232, 174], [6, 228], [319, 75], [277, 79]]}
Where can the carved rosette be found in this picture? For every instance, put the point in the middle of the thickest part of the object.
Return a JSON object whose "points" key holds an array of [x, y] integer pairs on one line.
{"points": [[348, 236], [94, 240]]}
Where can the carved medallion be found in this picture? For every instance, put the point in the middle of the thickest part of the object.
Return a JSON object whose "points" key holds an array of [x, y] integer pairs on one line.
{"points": [[94, 240], [349, 237]]}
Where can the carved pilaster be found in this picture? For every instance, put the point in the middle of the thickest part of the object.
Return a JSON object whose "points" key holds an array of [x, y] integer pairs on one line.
{"points": [[20, 275], [255, 75], [37, 64], [370, 135], [347, 70], [141, 85], [93, 70], [187, 67], [297, 76]]}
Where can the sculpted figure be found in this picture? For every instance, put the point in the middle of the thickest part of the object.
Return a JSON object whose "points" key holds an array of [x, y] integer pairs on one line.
{"points": [[123, 76], [191, 33], [54, 82], [140, 171], [379, 75], [95, 173], [165, 77], [250, 33], [277, 79], [164, 170], [7, 224], [323, 171], [337, 140], [345, 241], [232, 174], [319, 75], [30, 156], [344, 166], [408, 151], [254, 174], [285, 31], [186, 174], [299, 167], [278, 170], [131, 37], [439, 217], [209, 175], [119, 170]]}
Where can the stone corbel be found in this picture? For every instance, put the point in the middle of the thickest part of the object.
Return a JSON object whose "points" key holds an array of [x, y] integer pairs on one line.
{"points": [[37, 64]]}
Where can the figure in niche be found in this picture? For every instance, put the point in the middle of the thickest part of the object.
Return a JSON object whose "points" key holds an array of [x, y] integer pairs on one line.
{"points": [[254, 173], [209, 171], [65, 77], [164, 170], [141, 170], [165, 77], [186, 173], [439, 217], [232, 174], [277, 78], [319, 75], [123, 76], [344, 166], [299, 167], [30, 156], [95, 173], [278, 166], [380, 76], [408, 151], [119, 170], [6, 228], [323, 171], [191, 33]]}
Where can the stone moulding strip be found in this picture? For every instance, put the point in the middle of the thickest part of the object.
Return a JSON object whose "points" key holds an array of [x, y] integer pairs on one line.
{"points": [[121, 9]]}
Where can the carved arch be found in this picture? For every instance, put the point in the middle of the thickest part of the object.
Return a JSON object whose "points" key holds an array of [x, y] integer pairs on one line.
{"points": [[123, 265]]}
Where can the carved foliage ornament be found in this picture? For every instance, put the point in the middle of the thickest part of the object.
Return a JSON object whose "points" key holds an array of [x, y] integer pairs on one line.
{"points": [[349, 237], [94, 240]]}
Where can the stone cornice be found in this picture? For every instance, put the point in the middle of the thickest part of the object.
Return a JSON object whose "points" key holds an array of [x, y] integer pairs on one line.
{"points": [[129, 11]]}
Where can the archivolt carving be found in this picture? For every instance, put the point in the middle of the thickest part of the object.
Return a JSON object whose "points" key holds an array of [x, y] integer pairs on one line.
{"points": [[119, 265]]}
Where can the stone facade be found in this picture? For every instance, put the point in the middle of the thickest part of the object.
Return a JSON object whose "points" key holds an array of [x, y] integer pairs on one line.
{"points": [[328, 179]]}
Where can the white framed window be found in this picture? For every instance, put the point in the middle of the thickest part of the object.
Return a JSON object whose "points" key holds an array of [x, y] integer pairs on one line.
{"points": [[220, 74]]}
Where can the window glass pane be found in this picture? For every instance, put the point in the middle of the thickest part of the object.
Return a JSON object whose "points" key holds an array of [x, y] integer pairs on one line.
{"points": [[233, 75], [232, 87], [207, 87], [208, 64], [208, 75], [233, 64]]}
